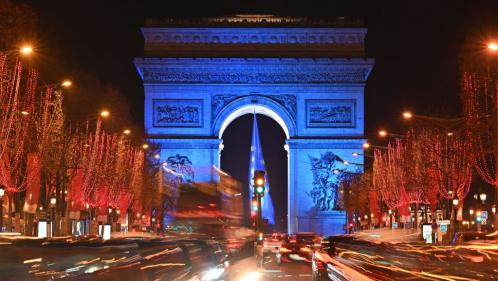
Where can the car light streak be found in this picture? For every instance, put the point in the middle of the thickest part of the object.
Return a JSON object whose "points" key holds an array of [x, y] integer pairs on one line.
{"points": [[161, 265], [417, 261], [32, 260], [165, 252]]}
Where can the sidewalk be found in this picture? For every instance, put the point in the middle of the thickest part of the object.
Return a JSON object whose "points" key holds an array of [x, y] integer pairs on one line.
{"points": [[389, 235]]}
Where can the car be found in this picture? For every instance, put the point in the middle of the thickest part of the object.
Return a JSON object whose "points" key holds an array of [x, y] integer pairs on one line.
{"points": [[322, 255], [474, 236], [272, 242], [136, 258], [297, 247]]}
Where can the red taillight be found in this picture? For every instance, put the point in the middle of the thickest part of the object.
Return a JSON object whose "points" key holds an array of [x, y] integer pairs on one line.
{"points": [[305, 249], [320, 265], [284, 250], [292, 241]]}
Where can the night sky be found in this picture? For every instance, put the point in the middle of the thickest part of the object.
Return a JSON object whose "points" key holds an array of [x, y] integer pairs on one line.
{"points": [[416, 45]]}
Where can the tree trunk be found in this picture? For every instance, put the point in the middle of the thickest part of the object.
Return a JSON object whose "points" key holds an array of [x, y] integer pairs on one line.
{"points": [[415, 212], [9, 214]]}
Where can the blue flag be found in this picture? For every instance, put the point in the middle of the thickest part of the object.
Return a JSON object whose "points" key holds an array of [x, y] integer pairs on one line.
{"points": [[257, 162]]}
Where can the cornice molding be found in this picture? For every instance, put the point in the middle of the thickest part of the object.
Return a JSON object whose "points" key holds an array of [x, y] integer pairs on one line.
{"points": [[212, 35], [256, 70]]}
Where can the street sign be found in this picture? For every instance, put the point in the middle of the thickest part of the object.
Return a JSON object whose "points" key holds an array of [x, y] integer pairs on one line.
{"points": [[484, 215], [427, 233]]}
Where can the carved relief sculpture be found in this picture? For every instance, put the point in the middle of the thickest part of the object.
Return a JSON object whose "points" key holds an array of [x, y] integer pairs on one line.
{"points": [[177, 112], [333, 113], [325, 181]]}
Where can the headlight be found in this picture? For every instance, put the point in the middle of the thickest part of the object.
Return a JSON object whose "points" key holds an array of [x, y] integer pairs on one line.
{"points": [[212, 274]]}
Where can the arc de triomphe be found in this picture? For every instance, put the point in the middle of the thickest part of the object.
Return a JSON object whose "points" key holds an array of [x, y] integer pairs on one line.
{"points": [[309, 76]]}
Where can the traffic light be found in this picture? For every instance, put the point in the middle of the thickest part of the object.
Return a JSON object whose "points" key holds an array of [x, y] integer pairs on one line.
{"points": [[255, 204], [259, 182]]}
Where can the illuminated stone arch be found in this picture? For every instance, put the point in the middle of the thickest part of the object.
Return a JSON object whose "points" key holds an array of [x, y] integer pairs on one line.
{"points": [[258, 104], [312, 87]]}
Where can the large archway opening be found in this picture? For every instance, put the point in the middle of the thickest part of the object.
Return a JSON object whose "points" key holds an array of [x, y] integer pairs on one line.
{"points": [[236, 136]]}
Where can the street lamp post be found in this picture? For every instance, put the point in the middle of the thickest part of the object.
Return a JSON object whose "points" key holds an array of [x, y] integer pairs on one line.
{"points": [[109, 216], [2, 192], [454, 213], [53, 201]]}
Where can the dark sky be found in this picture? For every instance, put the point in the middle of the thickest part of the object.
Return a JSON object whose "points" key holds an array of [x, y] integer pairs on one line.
{"points": [[415, 44]]}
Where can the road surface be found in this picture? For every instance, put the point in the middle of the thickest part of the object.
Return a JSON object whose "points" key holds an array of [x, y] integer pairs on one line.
{"points": [[271, 271]]}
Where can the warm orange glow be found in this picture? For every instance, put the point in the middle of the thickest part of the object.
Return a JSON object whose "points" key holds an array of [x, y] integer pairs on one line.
{"points": [[66, 83], [366, 145], [104, 113], [284, 250], [260, 182], [26, 50], [305, 249], [407, 115], [493, 47], [24, 112], [126, 132], [382, 133], [145, 146], [450, 134]]}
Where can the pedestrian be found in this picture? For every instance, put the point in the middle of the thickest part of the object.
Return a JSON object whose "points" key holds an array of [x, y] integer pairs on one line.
{"points": [[434, 231]]}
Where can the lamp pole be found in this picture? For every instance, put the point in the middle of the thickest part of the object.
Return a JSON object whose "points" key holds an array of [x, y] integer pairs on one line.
{"points": [[454, 213], [53, 201], [2, 192]]}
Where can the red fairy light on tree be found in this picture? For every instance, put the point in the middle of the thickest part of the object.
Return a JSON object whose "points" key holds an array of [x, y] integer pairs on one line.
{"points": [[480, 106]]}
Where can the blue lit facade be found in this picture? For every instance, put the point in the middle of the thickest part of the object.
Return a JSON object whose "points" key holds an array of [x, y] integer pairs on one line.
{"points": [[309, 79]]}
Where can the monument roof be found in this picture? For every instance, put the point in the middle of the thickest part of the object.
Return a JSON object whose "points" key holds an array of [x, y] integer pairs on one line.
{"points": [[255, 21]]}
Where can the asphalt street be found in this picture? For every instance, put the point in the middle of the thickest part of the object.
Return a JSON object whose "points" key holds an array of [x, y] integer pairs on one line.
{"points": [[246, 270]]}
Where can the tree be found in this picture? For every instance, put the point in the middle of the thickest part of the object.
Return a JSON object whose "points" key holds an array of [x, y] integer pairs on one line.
{"points": [[479, 96]]}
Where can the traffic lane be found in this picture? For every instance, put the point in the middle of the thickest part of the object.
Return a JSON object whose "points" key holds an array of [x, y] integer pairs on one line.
{"points": [[405, 261], [246, 270], [294, 270]]}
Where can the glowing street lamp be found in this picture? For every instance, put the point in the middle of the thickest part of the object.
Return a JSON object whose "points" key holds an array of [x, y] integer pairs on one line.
{"points": [[26, 50], [53, 201], [455, 202], [66, 83], [104, 113], [493, 210], [471, 212], [382, 133], [25, 113], [366, 145], [126, 132], [493, 47], [145, 146], [482, 196], [407, 115]]}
